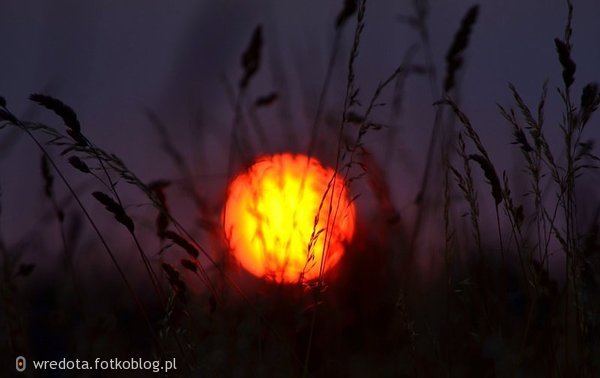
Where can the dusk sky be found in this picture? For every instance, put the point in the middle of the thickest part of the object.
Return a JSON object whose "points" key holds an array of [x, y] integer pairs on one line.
{"points": [[113, 61], [208, 260]]}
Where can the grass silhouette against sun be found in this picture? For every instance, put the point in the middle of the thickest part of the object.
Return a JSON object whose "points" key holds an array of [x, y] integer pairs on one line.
{"points": [[494, 310]]}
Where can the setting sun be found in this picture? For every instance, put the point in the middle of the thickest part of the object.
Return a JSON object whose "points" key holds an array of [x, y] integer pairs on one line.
{"points": [[280, 217]]}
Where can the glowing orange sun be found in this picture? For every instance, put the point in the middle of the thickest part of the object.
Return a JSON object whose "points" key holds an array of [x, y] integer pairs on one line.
{"points": [[280, 218]]}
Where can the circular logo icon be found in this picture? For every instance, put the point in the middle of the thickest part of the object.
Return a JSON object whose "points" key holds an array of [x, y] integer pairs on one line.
{"points": [[21, 364]]}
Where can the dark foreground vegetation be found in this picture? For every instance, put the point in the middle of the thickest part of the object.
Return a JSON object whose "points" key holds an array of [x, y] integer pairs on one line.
{"points": [[494, 310]]}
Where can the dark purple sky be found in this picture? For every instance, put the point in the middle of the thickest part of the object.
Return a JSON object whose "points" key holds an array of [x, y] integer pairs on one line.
{"points": [[111, 60]]}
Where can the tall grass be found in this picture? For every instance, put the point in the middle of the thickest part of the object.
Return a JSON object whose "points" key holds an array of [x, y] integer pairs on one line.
{"points": [[496, 311]]}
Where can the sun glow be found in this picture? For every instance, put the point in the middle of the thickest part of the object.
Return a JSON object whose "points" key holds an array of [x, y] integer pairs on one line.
{"points": [[280, 217]]}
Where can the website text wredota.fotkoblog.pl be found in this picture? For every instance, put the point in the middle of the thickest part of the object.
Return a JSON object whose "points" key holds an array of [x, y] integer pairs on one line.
{"points": [[155, 366]]}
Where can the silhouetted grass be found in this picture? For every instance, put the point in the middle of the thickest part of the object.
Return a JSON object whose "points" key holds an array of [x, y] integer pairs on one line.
{"points": [[496, 310]]}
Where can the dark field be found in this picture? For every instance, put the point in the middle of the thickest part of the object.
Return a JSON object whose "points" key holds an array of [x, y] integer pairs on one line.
{"points": [[476, 249]]}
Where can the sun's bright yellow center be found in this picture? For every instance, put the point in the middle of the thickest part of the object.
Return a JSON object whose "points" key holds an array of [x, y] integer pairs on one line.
{"points": [[284, 213]]}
